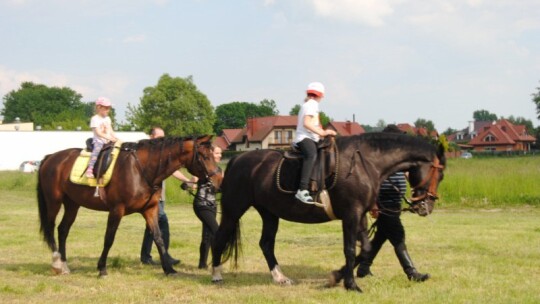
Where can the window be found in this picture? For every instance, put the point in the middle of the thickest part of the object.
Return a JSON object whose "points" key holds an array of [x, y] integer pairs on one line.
{"points": [[289, 137], [277, 137], [490, 138]]}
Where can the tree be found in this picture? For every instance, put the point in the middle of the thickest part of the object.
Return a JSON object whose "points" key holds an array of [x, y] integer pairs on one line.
{"points": [[536, 100], [449, 131], [423, 123], [176, 105], [484, 115], [325, 119], [46, 106], [522, 121], [234, 115]]}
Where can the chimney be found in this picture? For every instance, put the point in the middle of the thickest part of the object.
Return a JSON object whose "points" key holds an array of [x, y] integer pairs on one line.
{"points": [[348, 127], [471, 127], [250, 127]]}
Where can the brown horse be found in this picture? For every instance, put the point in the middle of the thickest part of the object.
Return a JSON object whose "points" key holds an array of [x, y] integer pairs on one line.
{"points": [[364, 162], [135, 186]]}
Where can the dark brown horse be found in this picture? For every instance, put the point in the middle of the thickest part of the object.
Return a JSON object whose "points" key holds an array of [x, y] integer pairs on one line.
{"points": [[364, 162], [135, 186]]}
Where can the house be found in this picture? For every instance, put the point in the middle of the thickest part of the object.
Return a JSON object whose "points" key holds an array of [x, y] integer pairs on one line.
{"points": [[346, 128], [227, 139], [270, 132], [412, 130], [502, 135], [273, 132], [464, 136]]}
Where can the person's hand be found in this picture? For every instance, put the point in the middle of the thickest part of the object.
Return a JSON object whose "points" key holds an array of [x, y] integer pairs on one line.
{"points": [[374, 212], [330, 133]]}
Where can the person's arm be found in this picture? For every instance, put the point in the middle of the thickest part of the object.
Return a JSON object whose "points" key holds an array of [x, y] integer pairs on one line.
{"points": [[308, 124], [102, 134], [192, 182]]}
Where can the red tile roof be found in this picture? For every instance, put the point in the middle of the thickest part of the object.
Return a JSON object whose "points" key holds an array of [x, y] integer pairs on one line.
{"points": [[346, 128], [221, 142], [258, 128], [232, 135], [504, 133]]}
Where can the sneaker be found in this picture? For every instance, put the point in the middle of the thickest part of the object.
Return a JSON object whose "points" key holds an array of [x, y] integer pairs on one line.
{"points": [[89, 174], [304, 197]]}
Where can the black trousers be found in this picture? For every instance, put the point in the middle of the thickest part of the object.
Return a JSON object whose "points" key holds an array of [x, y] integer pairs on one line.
{"points": [[148, 239], [207, 215], [309, 150]]}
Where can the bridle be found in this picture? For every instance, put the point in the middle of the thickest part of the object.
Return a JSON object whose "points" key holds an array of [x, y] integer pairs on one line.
{"points": [[197, 158], [417, 203]]}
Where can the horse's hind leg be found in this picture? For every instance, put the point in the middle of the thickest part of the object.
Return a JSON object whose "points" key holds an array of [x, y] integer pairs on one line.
{"points": [[113, 222], [70, 213], [48, 209], [267, 244]]}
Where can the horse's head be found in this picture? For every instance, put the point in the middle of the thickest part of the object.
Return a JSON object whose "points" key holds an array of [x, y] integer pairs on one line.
{"points": [[204, 164], [424, 180]]}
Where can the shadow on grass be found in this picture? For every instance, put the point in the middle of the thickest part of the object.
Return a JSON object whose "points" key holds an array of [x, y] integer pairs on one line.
{"points": [[316, 277]]}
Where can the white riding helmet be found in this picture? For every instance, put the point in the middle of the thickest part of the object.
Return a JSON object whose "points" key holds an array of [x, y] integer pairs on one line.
{"points": [[316, 88]]}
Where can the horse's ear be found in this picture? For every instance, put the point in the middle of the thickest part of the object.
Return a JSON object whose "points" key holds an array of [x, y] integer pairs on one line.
{"points": [[441, 149], [204, 138]]}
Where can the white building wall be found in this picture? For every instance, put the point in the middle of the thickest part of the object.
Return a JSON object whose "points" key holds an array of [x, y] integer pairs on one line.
{"points": [[19, 146]]}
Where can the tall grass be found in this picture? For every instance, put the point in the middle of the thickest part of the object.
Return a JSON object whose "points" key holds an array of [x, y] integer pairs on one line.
{"points": [[491, 182]]}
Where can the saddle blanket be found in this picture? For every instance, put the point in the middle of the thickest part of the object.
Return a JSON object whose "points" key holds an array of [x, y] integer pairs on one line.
{"points": [[77, 175]]}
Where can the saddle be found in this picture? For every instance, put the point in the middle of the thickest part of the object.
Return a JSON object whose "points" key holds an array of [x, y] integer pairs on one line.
{"points": [[324, 174], [104, 166], [104, 158]]}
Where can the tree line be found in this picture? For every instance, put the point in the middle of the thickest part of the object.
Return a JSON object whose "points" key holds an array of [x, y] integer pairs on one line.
{"points": [[176, 105]]}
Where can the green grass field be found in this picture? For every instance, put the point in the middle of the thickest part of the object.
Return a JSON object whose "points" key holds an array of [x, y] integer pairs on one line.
{"points": [[480, 245]]}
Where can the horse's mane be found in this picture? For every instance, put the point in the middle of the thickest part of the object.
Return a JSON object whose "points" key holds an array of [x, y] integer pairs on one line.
{"points": [[157, 142], [386, 141]]}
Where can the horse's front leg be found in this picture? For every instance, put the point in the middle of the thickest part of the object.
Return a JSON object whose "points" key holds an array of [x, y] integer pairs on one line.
{"points": [[350, 229], [113, 222], [151, 217], [362, 235]]}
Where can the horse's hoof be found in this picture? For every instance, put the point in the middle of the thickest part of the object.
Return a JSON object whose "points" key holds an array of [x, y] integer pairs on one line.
{"points": [[354, 288], [217, 281], [103, 274], [171, 272], [286, 282], [56, 271], [334, 278]]}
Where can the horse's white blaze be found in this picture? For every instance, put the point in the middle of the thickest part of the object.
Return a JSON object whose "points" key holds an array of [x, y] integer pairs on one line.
{"points": [[216, 274], [279, 277]]}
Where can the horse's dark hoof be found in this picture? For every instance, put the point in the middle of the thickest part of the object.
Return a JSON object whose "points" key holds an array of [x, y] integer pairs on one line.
{"points": [[354, 288], [334, 278], [217, 282], [171, 272]]}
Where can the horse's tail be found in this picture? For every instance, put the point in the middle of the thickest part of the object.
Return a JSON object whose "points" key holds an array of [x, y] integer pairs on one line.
{"points": [[233, 243], [46, 229], [233, 246]]}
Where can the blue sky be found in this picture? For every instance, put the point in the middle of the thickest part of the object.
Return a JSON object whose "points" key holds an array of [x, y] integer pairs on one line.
{"points": [[395, 60]]}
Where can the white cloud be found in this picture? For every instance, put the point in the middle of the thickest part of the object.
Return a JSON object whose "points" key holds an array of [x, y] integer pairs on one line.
{"points": [[135, 39], [369, 12]]}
